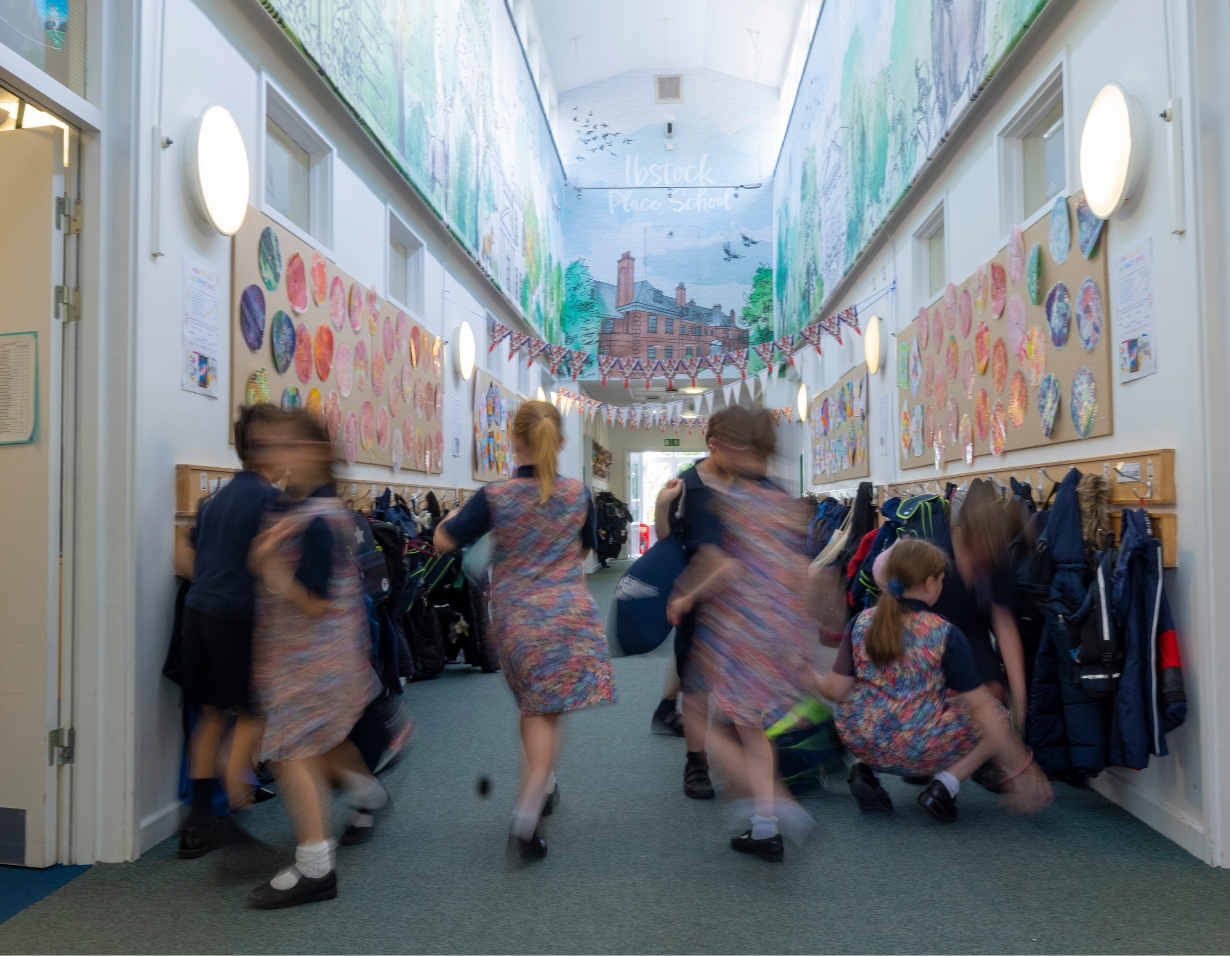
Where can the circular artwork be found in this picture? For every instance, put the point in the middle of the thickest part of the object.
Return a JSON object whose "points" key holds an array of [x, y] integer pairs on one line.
{"points": [[924, 328], [941, 392], [350, 438], [1088, 228], [1016, 256], [980, 288], [315, 404], [377, 372], [1033, 272], [398, 450], [437, 355], [999, 290], [982, 414], [824, 417], [337, 302], [928, 378], [1059, 231], [1018, 400], [429, 401], [1032, 355], [407, 385], [407, 441], [950, 306], [388, 339], [917, 420], [403, 333], [290, 397], [999, 429], [967, 373], [965, 439], [256, 392], [373, 311], [937, 331], [1058, 314], [952, 357], [1048, 403], [1089, 314], [951, 420], [395, 397], [320, 279], [333, 415], [282, 341], [382, 428], [1083, 402], [269, 258], [416, 345], [360, 365], [1016, 322], [425, 454], [367, 425], [928, 427], [252, 317], [420, 448], [982, 348], [324, 351], [965, 313], [418, 399], [342, 365], [440, 403], [999, 365], [303, 353], [915, 368], [296, 284], [354, 306], [905, 431], [440, 450]]}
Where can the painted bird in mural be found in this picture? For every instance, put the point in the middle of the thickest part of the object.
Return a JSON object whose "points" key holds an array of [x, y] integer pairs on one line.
{"points": [[730, 256], [748, 240]]}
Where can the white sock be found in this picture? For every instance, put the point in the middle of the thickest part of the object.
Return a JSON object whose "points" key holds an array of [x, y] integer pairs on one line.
{"points": [[763, 827], [951, 783], [364, 791], [550, 788], [312, 860], [525, 821]]}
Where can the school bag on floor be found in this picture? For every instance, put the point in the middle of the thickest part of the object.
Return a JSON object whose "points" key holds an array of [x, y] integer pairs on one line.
{"points": [[807, 744], [373, 569]]}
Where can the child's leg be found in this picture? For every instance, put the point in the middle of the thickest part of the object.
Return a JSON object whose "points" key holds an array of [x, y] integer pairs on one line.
{"points": [[306, 799], [758, 756], [539, 737], [248, 730], [206, 738]]}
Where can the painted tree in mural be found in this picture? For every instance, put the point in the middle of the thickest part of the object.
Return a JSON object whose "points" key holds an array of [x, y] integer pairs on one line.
{"points": [[757, 314], [581, 317]]}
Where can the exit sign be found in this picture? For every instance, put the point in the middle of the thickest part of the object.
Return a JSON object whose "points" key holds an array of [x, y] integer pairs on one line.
{"points": [[672, 442]]}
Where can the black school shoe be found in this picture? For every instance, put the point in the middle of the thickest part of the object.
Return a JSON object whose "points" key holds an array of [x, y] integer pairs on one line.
{"points": [[195, 842], [307, 890], [938, 802], [669, 724], [696, 782], [552, 801], [865, 787], [917, 779], [770, 850], [535, 848]]}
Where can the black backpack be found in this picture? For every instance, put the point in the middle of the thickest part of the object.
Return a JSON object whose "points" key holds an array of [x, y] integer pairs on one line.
{"points": [[1096, 636], [373, 570], [426, 640], [1033, 568], [392, 545]]}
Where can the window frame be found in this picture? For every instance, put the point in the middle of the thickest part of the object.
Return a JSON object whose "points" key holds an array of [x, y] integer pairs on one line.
{"points": [[277, 105], [935, 220], [670, 353], [670, 326], [395, 227], [1050, 91], [651, 353], [653, 324], [608, 327]]}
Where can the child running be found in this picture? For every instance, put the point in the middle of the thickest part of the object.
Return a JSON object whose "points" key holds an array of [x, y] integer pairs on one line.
{"points": [[552, 648], [912, 702]]}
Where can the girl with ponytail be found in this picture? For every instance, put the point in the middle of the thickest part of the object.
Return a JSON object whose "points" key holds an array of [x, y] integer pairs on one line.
{"points": [[551, 644], [912, 701]]}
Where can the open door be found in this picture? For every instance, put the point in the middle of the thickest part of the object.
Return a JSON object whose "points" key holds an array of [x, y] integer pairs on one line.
{"points": [[31, 268]]}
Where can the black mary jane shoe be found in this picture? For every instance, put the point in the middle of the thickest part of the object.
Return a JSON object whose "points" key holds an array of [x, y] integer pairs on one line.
{"points": [[866, 788], [917, 779], [938, 802], [770, 849], [195, 842], [535, 848], [552, 801], [263, 793], [306, 890]]}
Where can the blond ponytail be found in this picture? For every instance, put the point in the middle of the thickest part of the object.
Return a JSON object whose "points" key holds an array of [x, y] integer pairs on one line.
{"points": [[539, 430]]}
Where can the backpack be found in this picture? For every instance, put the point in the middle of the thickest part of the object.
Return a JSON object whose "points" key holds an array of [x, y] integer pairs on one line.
{"points": [[426, 640], [1096, 638], [807, 743], [923, 516], [1033, 569], [392, 544], [373, 569]]}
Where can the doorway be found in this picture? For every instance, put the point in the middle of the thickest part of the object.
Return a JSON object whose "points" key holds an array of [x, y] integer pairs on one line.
{"points": [[648, 473]]}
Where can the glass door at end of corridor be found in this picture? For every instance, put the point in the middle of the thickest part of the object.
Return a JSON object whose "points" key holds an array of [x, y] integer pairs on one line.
{"points": [[648, 473]]}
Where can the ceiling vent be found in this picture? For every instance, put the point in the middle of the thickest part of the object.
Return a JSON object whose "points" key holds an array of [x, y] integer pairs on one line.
{"points": [[668, 88]]}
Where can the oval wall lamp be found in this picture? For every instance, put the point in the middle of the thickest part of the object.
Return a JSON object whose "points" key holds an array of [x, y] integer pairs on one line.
{"points": [[216, 164], [1114, 151], [466, 351], [871, 344], [803, 402], [541, 395]]}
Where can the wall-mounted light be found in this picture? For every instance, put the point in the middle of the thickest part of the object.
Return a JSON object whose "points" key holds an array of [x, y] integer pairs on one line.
{"points": [[1114, 151], [871, 344], [216, 164], [466, 351], [541, 395], [803, 402]]}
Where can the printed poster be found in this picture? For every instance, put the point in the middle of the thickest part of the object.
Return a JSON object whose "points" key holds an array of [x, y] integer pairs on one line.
{"points": [[18, 387], [1134, 312], [200, 324]]}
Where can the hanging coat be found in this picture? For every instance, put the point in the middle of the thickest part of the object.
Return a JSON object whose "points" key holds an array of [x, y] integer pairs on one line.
{"points": [[1150, 701]]}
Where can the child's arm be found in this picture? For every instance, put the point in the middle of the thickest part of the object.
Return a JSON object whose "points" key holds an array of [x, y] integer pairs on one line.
{"points": [[708, 570]]}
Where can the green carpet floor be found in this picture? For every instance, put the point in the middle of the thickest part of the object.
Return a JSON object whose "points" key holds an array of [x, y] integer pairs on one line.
{"points": [[634, 866]]}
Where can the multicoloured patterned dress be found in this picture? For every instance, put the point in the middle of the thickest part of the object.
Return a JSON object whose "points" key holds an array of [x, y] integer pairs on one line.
{"points": [[901, 718], [311, 675], [551, 643], [755, 645]]}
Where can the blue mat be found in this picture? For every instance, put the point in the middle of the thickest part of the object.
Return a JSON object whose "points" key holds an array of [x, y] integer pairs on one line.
{"points": [[21, 887]]}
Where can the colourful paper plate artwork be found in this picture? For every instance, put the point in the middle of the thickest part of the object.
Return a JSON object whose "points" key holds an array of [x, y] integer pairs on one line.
{"points": [[1018, 400], [418, 399], [398, 450], [924, 328], [928, 427], [403, 333], [952, 357], [290, 397], [1016, 322], [382, 428], [395, 397], [1083, 402], [440, 403], [928, 378], [388, 338], [1059, 231], [1048, 403], [937, 330], [407, 383], [320, 279], [950, 306], [941, 392], [1016, 256], [407, 440], [282, 341], [252, 317], [269, 258], [965, 439], [999, 429], [905, 431], [982, 348], [915, 369], [256, 392], [1032, 355], [377, 373], [354, 306], [1033, 273], [916, 431], [999, 290], [360, 365], [373, 311], [1058, 314], [304, 358], [822, 420], [999, 365], [343, 369], [1088, 228], [952, 415], [967, 372], [315, 404], [337, 302], [350, 438], [437, 355], [416, 346], [982, 414], [1089, 314], [367, 425], [333, 415], [324, 351], [296, 284], [965, 313], [980, 288]]}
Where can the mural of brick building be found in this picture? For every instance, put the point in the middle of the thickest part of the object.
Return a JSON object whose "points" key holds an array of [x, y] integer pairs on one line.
{"points": [[640, 321]]}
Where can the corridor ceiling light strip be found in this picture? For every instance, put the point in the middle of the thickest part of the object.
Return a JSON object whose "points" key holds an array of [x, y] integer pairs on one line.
{"points": [[216, 164]]}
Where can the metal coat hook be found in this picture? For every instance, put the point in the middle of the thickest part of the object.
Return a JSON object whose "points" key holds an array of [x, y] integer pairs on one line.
{"points": [[1107, 467]]}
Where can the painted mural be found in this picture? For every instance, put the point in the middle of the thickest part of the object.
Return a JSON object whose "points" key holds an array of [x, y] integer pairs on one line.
{"points": [[443, 87], [669, 250], [885, 82]]}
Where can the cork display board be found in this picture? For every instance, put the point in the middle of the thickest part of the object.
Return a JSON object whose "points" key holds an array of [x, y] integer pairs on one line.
{"points": [[304, 333], [1018, 355], [838, 419], [494, 408]]}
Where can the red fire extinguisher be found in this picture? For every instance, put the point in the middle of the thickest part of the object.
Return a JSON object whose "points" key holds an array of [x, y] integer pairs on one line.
{"points": [[644, 538]]}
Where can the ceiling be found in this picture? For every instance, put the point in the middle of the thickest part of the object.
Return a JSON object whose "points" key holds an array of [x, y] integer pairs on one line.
{"points": [[588, 40]]}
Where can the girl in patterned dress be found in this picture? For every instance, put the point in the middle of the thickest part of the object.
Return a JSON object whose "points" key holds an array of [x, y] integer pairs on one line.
{"points": [[911, 698], [551, 644]]}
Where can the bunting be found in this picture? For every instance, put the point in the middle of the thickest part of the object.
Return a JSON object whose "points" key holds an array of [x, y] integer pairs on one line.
{"points": [[499, 332]]}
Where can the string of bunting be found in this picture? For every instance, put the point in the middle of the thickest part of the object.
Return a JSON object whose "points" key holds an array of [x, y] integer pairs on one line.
{"points": [[668, 415]]}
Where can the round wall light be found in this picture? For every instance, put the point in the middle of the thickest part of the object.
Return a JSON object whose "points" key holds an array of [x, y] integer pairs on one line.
{"points": [[803, 403], [1113, 151], [466, 351], [871, 344], [217, 167], [541, 395]]}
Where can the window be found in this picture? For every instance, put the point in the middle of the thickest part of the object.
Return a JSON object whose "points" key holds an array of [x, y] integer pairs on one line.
{"points": [[604, 351], [687, 353], [670, 352], [653, 323], [930, 268], [1033, 155], [297, 170], [608, 325], [670, 326], [652, 353], [405, 285]]}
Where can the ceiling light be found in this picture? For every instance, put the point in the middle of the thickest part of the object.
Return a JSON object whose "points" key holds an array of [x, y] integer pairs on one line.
{"points": [[1113, 151], [466, 351], [693, 390], [803, 402], [541, 395], [871, 344], [216, 163]]}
